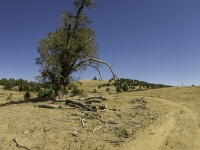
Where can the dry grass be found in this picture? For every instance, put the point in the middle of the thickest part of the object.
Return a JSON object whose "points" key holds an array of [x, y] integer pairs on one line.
{"points": [[46, 129]]}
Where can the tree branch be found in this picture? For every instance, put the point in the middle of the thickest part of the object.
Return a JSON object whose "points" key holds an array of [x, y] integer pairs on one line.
{"points": [[96, 69], [100, 61]]}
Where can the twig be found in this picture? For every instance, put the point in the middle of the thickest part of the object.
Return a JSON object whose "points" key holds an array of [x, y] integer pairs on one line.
{"points": [[83, 124], [102, 121], [20, 145], [118, 141], [96, 129]]}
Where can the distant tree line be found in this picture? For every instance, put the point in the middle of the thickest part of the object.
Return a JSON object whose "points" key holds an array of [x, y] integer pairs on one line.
{"points": [[23, 85], [126, 84], [44, 90]]}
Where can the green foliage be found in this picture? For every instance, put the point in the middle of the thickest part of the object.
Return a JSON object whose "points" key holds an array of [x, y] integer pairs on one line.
{"points": [[76, 91], [129, 83], [108, 89], [67, 50], [27, 95], [71, 86], [95, 78], [66, 91], [99, 86], [125, 88], [118, 89], [8, 85], [94, 91], [46, 93]]}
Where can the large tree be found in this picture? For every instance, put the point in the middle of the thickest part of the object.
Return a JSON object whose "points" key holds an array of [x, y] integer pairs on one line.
{"points": [[70, 48]]}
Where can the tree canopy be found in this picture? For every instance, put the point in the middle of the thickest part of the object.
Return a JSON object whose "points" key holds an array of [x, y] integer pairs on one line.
{"points": [[70, 48]]}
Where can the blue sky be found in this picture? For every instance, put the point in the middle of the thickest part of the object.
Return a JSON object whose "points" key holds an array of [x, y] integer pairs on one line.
{"points": [[157, 41]]}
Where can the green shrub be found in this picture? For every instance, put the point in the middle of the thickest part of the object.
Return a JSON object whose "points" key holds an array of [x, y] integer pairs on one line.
{"points": [[125, 88], [7, 85], [108, 89], [66, 91], [76, 91], [46, 93], [118, 89], [95, 78], [27, 95], [94, 91], [71, 86]]}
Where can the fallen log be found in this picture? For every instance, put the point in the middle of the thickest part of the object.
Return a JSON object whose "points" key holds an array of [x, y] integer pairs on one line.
{"points": [[93, 97], [20, 145], [92, 101], [100, 106], [76, 102], [51, 106]]}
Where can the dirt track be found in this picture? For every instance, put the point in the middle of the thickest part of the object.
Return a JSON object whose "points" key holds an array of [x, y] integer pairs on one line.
{"points": [[178, 128]]}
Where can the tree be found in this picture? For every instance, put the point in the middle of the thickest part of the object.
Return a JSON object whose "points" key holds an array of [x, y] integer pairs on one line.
{"points": [[69, 49]]}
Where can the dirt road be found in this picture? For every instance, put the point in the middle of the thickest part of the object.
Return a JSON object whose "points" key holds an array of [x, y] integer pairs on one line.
{"points": [[178, 128]]}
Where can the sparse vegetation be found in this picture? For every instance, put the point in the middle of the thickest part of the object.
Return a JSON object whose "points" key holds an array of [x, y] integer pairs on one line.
{"points": [[75, 91], [27, 95]]}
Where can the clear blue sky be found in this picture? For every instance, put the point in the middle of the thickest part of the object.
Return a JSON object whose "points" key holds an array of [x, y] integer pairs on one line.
{"points": [[157, 41]]}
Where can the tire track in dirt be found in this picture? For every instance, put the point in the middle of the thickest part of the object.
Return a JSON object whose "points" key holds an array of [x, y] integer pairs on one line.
{"points": [[179, 130]]}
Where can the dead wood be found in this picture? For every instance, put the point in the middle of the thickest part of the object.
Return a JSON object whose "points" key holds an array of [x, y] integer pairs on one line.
{"points": [[33, 100], [96, 129], [83, 123], [113, 93], [51, 106], [102, 121], [60, 100], [81, 104], [98, 106], [118, 141], [20, 145], [92, 97], [92, 101]]}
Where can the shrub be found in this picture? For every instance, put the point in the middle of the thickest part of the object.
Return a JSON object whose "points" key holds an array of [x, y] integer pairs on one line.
{"points": [[99, 86], [76, 91], [94, 91], [125, 88], [108, 89], [118, 89], [27, 95], [66, 91], [95, 78], [46, 93], [71, 86], [7, 85]]}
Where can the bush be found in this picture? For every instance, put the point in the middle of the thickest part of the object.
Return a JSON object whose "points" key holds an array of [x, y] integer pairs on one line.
{"points": [[71, 86], [7, 85], [66, 91], [125, 88], [76, 91], [27, 95], [118, 89], [99, 86], [94, 91], [108, 89], [95, 78], [46, 93]]}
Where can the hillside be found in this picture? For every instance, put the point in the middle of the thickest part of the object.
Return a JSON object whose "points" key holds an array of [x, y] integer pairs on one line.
{"points": [[165, 118]]}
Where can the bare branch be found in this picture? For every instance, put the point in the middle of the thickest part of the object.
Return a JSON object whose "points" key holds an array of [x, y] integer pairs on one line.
{"points": [[96, 129], [20, 145], [100, 61], [97, 70]]}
